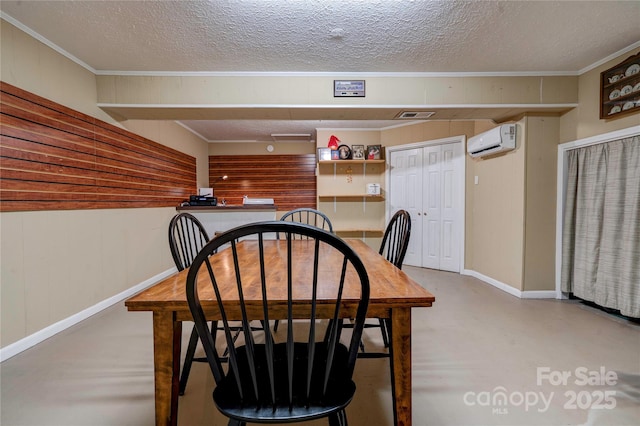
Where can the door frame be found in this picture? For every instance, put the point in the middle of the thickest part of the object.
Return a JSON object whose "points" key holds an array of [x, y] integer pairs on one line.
{"points": [[561, 189], [462, 184]]}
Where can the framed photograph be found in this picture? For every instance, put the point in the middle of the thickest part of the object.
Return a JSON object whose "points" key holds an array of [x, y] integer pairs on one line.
{"points": [[345, 152], [374, 152], [335, 154], [357, 152], [324, 154]]}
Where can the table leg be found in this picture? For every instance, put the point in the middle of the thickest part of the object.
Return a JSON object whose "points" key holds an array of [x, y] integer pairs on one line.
{"points": [[401, 365], [167, 335]]}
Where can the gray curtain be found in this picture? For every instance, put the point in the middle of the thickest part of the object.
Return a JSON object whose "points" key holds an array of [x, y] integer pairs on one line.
{"points": [[601, 233]]}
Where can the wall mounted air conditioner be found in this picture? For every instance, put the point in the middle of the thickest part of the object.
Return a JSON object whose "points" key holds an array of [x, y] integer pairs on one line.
{"points": [[499, 139]]}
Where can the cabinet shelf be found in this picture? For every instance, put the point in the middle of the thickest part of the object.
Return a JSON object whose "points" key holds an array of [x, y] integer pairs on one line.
{"points": [[624, 98], [623, 81], [343, 194], [368, 196], [351, 161], [623, 77], [377, 232]]}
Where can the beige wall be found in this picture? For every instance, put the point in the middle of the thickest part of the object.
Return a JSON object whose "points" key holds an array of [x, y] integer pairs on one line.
{"points": [[495, 214], [30, 65], [54, 264], [584, 121], [353, 213], [316, 90], [57, 263], [510, 213], [430, 130], [286, 148], [540, 202]]}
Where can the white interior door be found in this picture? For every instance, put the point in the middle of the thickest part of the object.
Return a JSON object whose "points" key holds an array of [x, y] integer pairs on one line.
{"points": [[451, 157], [429, 182], [431, 203], [405, 183]]}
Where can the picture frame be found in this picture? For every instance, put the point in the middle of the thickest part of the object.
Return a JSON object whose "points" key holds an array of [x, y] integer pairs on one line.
{"points": [[357, 152], [335, 154], [324, 154], [348, 88], [374, 152], [344, 152]]}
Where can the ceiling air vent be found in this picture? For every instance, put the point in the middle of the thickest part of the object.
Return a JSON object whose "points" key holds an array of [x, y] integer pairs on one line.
{"points": [[414, 115]]}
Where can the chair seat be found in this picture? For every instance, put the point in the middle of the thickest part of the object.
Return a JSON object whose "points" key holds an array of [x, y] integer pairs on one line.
{"points": [[265, 381], [340, 388]]}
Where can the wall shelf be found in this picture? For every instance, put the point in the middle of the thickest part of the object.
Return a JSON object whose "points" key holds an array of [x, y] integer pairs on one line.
{"points": [[342, 193], [620, 89], [351, 161], [359, 196], [369, 232]]}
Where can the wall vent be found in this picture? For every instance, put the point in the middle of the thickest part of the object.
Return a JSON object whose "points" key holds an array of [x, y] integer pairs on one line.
{"points": [[414, 115]]}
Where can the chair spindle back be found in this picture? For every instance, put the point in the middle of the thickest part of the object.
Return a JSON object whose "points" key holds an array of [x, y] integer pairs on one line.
{"points": [[264, 278]]}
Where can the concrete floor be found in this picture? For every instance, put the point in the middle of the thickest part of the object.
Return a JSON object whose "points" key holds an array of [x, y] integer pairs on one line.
{"points": [[480, 357]]}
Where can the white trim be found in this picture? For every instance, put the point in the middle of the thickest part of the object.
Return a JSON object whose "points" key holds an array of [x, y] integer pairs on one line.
{"points": [[443, 141], [498, 284], [562, 186], [41, 335], [462, 140], [560, 194], [609, 58], [341, 75], [46, 42], [189, 129], [539, 294], [334, 106], [350, 75], [402, 123], [597, 139]]}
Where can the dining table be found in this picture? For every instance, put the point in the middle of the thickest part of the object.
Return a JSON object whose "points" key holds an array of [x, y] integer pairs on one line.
{"points": [[393, 294]]}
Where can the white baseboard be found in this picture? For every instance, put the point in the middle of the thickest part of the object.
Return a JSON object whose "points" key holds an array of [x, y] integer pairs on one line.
{"points": [[41, 335], [544, 294], [540, 294]]}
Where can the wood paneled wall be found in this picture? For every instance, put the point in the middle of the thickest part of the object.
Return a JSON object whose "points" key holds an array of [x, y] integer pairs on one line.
{"points": [[289, 179], [55, 158]]}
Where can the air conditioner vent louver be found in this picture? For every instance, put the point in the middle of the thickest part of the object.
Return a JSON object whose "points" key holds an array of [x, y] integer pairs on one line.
{"points": [[414, 115]]}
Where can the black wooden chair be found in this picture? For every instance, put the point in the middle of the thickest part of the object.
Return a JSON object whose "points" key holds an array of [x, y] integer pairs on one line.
{"points": [[396, 238], [187, 237], [304, 377], [309, 216], [393, 247]]}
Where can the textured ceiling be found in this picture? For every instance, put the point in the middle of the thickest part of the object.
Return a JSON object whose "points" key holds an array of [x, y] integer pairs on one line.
{"points": [[357, 36]]}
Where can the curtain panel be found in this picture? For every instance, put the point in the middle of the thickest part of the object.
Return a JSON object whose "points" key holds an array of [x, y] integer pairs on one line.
{"points": [[601, 233]]}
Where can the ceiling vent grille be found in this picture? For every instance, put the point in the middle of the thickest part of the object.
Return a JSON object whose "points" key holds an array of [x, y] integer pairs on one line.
{"points": [[414, 115]]}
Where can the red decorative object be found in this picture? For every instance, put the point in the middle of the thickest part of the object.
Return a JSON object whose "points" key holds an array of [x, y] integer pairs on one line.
{"points": [[333, 142]]}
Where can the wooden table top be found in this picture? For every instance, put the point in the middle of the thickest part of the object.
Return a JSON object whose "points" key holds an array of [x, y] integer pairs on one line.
{"points": [[390, 287]]}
